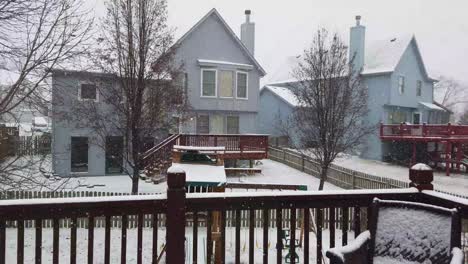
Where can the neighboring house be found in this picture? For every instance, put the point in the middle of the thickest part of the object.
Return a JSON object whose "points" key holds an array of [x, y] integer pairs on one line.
{"points": [[222, 76], [399, 86], [276, 108]]}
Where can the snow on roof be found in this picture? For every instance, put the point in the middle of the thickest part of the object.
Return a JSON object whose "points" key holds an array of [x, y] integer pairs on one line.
{"points": [[284, 72], [201, 173], [431, 106], [421, 167], [199, 148], [204, 62], [384, 55], [284, 93]]}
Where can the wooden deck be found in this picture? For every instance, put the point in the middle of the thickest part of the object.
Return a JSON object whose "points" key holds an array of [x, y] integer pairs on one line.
{"points": [[338, 211]]}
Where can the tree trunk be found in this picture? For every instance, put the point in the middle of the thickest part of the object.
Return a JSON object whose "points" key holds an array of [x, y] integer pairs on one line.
{"points": [[135, 179], [323, 177]]}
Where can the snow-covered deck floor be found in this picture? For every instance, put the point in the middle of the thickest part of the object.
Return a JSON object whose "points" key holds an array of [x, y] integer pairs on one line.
{"points": [[455, 183]]}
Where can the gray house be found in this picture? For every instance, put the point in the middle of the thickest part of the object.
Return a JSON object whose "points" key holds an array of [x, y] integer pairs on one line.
{"points": [[400, 88], [221, 77]]}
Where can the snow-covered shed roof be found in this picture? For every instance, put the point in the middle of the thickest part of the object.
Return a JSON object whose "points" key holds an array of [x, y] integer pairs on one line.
{"points": [[230, 31], [283, 93], [201, 174]]}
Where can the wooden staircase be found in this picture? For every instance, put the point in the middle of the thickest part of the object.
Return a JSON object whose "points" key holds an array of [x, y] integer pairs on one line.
{"points": [[158, 159]]}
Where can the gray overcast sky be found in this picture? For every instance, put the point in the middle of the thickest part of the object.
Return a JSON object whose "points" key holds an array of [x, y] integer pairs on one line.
{"points": [[285, 28]]}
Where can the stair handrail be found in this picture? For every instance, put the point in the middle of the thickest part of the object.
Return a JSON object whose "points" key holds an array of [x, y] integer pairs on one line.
{"points": [[159, 146]]}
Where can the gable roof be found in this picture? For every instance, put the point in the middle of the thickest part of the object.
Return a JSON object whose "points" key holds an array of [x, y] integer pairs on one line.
{"points": [[230, 32], [384, 55], [283, 93]]}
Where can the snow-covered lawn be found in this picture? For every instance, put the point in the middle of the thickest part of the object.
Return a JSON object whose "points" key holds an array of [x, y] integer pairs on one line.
{"points": [[82, 245], [272, 172], [455, 183], [277, 173]]}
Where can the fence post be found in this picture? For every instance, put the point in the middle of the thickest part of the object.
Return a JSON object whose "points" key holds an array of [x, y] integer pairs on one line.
{"points": [[421, 176], [353, 175], [175, 235]]}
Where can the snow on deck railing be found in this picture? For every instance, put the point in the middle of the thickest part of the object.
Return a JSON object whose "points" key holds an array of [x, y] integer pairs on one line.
{"points": [[84, 200]]}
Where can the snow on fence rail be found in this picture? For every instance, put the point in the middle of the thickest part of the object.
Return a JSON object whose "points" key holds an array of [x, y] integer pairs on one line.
{"points": [[116, 221], [337, 175]]}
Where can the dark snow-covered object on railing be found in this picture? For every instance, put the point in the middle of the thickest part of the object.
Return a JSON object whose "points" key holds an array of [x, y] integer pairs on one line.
{"points": [[405, 232]]}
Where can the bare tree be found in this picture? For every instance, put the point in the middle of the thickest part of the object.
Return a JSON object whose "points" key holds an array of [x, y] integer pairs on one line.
{"points": [[144, 89], [451, 92], [35, 36], [464, 117], [332, 102]]}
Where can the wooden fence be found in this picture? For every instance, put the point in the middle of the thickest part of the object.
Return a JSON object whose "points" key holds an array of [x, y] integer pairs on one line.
{"points": [[33, 145], [342, 177]]}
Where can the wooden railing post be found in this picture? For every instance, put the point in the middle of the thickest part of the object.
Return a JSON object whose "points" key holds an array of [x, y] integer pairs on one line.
{"points": [[381, 129], [175, 235], [421, 177], [424, 129]]}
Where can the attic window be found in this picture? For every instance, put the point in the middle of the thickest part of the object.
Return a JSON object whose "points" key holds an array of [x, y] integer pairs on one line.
{"points": [[401, 84]]}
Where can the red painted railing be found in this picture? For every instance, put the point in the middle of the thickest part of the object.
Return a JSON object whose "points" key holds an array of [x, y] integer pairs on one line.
{"points": [[237, 143], [424, 130]]}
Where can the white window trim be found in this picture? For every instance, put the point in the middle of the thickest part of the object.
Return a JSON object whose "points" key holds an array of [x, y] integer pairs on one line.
{"points": [[229, 97], [401, 91], [420, 117], [246, 85], [216, 83], [86, 99]]}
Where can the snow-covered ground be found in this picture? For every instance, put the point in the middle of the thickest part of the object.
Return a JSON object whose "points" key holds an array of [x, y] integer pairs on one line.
{"points": [[455, 183], [82, 245], [272, 172], [277, 173]]}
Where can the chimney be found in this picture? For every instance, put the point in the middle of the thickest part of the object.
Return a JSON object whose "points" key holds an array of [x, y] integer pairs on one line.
{"points": [[248, 33], [357, 45]]}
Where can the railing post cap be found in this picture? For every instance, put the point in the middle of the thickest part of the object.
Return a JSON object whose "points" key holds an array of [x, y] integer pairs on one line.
{"points": [[421, 176], [175, 177]]}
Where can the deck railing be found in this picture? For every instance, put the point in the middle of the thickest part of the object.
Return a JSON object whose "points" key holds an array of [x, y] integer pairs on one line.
{"points": [[423, 130], [238, 143], [190, 229]]}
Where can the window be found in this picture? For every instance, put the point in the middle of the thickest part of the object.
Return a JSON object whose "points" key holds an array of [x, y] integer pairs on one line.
{"points": [[232, 124], [242, 80], [114, 154], [226, 80], [216, 124], [79, 154], [88, 91], [401, 84], [397, 117], [208, 83], [418, 88], [203, 124], [416, 118]]}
